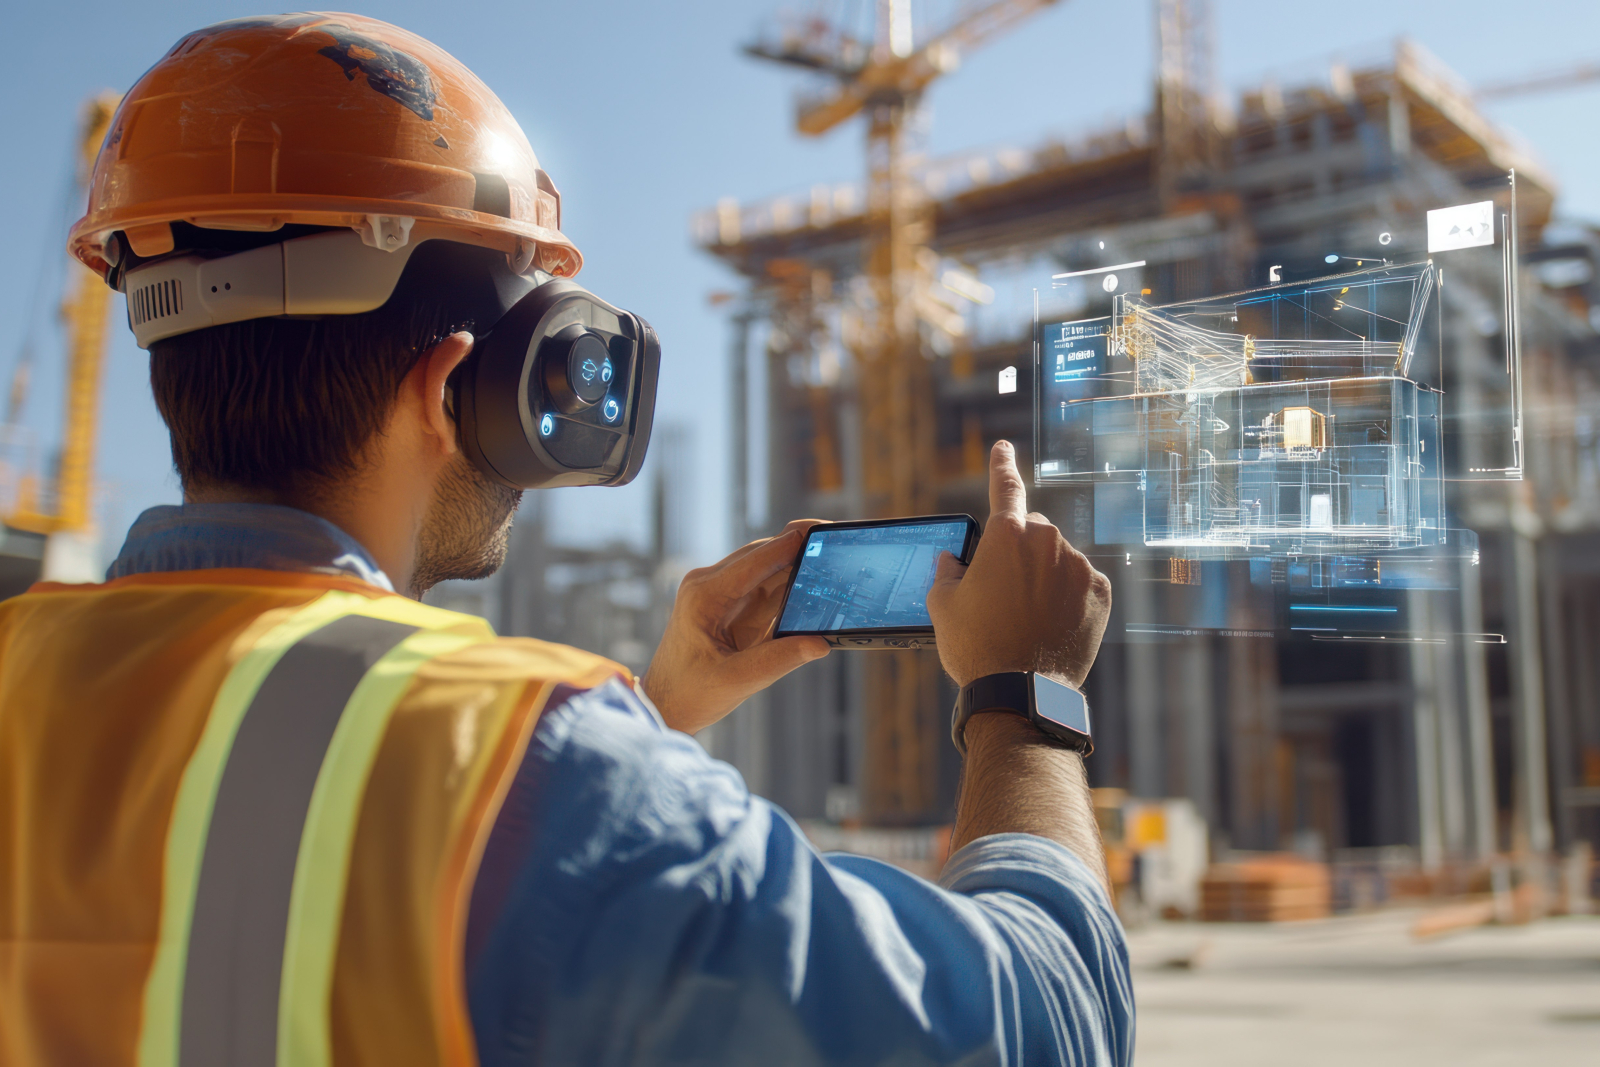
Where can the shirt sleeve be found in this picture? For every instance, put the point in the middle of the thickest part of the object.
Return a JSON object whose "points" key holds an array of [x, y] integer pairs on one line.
{"points": [[637, 905]]}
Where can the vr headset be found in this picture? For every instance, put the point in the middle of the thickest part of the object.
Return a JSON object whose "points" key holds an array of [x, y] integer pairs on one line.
{"points": [[560, 387]]}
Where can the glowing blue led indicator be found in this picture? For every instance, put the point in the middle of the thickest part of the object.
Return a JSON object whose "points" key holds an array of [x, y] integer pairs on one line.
{"points": [[1344, 607], [547, 425], [589, 370], [605, 371], [611, 409]]}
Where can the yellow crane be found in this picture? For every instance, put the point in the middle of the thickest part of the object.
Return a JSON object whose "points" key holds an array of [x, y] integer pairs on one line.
{"points": [[66, 516], [886, 80], [1582, 74]]}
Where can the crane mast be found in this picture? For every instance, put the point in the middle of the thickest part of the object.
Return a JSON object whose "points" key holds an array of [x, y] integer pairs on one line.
{"points": [[894, 378], [68, 520]]}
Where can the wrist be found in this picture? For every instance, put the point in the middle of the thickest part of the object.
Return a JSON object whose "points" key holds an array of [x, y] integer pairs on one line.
{"points": [[1050, 706], [970, 674], [988, 734], [992, 730]]}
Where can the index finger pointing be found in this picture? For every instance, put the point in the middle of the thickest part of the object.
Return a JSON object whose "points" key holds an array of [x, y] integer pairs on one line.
{"points": [[1007, 496]]}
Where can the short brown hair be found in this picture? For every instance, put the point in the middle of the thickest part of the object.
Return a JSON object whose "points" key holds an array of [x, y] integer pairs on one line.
{"points": [[286, 404]]}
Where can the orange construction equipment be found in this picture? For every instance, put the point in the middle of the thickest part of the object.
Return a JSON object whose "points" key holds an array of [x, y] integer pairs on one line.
{"points": [[233, 130]]}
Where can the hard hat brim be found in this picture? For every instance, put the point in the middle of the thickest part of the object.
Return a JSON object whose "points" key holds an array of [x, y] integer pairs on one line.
{"points": [[554, 252]]}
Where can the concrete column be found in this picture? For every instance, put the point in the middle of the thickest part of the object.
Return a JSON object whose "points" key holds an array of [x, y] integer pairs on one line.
{"points": [[1108, 703], [1146, 766], [1426, 736], [520, 584], [1252, 709], [1193, 699], [1557, 647], [802, 724], [743, 739], [1393, 766], [1475, 711], [1455, 762], [739, 428], [1531, 781], [1399, 127]]}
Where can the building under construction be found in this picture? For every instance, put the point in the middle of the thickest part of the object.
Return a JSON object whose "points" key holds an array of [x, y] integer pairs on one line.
{"points": [[880, 399]]}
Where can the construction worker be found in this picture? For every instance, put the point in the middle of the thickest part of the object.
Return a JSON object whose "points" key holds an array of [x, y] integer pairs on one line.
{"points": [[258, 805]]}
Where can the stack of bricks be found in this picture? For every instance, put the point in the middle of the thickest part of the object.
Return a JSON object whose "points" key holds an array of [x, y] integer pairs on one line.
{"points": [[1270, 888]]}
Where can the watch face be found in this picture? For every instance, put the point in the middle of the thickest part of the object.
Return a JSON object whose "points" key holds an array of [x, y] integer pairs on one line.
{"points": [[1060, 704]]}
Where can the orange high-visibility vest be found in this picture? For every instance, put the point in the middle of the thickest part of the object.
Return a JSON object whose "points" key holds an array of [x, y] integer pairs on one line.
{"points": [[241, 813]]}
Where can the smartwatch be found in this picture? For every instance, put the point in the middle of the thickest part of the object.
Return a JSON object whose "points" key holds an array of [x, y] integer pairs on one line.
{"points": [[1059, 711]]}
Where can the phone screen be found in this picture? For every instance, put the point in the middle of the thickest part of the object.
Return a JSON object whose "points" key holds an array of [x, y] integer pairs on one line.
{"points": [[870, 576]]}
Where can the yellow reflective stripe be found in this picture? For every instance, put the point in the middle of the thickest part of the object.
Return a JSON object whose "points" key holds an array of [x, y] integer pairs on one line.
{"points": [[322, 868], [191, 818], [410, 612]]}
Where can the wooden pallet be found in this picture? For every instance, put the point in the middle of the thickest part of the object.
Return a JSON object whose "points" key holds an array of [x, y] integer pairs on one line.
{"points": [[1273, 888]]}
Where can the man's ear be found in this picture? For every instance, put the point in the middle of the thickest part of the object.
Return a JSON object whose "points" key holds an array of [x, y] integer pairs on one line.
{"points": [[434, 370]]}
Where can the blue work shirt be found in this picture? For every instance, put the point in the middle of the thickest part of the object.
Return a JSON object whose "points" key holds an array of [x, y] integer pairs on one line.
{"points": [[636, 905]]}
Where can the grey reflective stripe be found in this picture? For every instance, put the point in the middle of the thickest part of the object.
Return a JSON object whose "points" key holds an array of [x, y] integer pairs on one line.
{"points": [[241, 907]]}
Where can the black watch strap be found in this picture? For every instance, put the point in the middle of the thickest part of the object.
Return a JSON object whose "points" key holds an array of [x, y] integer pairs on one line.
{"points": [[1013, 692]]}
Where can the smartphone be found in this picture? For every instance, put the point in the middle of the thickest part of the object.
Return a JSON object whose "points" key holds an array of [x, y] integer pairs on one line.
{"points": [[865, 584]]}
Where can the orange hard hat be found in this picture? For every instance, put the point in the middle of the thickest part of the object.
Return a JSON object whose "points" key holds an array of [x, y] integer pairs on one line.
{"points": [[318, 119]]}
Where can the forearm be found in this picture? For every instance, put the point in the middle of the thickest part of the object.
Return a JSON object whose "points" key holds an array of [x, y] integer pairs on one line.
{"points": [[659, 913], [1017, 781]]}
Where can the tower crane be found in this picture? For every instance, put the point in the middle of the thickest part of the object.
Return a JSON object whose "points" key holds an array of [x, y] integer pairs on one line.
{"points": [[1555, 81], [886, 81], [65, 517]]}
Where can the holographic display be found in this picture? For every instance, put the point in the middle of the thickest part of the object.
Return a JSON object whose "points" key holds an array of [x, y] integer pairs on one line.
{"points": [[1313, 427]]}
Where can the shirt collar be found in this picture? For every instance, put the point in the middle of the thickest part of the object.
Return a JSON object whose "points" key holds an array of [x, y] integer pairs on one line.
{"points": [[269, 537]]}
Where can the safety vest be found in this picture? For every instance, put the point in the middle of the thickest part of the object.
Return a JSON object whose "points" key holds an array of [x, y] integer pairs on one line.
{"points": [[241, 813]]}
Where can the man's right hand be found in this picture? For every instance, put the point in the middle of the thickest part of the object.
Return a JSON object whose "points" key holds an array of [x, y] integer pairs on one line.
{"points": [[1028, 602]]}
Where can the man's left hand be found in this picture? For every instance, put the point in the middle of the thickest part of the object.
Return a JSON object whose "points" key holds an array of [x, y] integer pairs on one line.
{"points": [[719, 648]]}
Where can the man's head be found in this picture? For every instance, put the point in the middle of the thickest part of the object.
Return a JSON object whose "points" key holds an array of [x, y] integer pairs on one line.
{"points": [[286, 407], [317, 413], [312, 215]]}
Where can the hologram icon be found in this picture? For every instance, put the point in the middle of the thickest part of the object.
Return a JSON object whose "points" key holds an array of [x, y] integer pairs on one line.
{"points": [[1466, 226]]}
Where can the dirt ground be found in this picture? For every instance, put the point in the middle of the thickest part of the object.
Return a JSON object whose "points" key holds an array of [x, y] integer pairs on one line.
{"points": [[1362, 992]]}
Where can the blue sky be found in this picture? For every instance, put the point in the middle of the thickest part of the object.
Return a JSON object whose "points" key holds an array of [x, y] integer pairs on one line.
{"points": [[646, 112]]}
